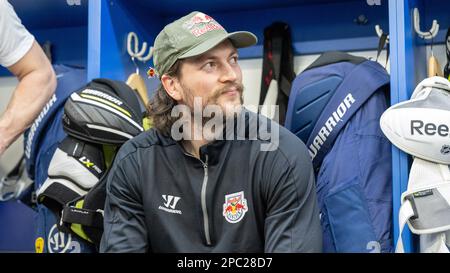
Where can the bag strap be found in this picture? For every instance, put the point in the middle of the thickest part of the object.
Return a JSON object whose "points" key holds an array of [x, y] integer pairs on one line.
{"points": [[382, 42], [360, 84], [84, 217], [277, 65], [408, 211], [268, 70], [447, 51], [405, 213]]}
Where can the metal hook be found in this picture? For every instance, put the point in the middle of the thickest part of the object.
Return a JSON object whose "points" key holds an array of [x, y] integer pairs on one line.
{"points": [[431, 45], [428, 34], [137, 67], [149, 55], [379, 32], [135, 52]]}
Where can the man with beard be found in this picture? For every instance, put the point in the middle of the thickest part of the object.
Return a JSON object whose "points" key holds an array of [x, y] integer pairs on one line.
{"points": [[174, 189]]}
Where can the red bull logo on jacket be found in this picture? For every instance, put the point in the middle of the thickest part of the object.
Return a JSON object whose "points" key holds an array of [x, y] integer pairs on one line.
{"points": [[235, 207]]}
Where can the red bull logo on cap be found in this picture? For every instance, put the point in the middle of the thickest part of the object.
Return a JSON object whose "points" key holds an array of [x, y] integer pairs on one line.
{"points": [[235, 207], [201, 23]]}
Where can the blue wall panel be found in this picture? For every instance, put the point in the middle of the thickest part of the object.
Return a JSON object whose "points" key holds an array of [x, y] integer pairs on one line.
{"points": [[322, 26], [400, 67], [315, 28], [108, 35], [69, 45], [42, 14], [64, 25]]}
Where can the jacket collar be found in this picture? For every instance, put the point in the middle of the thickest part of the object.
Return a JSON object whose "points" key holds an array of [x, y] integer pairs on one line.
{"points": [[213, 149]]}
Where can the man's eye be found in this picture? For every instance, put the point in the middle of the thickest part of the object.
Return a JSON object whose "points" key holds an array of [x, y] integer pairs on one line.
{"points": [[209, 65], [234, 60]]}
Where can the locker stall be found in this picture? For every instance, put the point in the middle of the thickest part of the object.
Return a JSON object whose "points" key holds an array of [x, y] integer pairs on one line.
{"points": [[63, 25]]}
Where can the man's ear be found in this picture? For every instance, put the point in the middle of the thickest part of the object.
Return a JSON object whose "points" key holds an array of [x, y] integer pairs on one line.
{"points": [[172, 87]]}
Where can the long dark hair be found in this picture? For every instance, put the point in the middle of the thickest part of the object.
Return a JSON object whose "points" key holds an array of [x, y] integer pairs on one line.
{"points": [[160, 106]]}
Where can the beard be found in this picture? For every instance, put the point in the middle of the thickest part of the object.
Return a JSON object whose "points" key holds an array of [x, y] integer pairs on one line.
{"points": [[216, 110], [198, 106]]}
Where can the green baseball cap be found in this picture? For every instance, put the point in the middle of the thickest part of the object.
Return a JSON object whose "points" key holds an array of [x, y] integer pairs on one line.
{"points": [[193, 35]]}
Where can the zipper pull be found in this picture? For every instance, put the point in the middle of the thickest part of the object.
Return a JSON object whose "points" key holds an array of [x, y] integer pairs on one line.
{"points": [[205, 165]]}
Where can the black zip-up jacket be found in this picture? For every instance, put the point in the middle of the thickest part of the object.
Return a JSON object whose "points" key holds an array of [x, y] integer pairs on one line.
{"points": [[235, 198]]}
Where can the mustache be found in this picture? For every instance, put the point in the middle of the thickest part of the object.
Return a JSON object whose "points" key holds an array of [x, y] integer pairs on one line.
{"points": [[238, 86]]}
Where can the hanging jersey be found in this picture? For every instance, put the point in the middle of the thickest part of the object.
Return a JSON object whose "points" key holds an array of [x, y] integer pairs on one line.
{"points": [[278, 71]]}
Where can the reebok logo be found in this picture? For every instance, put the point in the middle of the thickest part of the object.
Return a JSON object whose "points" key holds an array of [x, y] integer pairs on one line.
{"points": [[170, 202], [431, 129]]}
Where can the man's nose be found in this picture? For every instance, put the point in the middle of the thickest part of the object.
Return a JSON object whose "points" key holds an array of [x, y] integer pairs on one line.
{"points": [[229, 74]]}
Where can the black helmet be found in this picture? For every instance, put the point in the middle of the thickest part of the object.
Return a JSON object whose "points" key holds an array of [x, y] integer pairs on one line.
{"points": [[104, 111]]}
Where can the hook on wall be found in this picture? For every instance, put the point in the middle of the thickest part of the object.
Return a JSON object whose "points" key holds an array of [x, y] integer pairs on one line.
{"points": [[134, 51], [135, 81], [430, 34], [379, 32]]}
